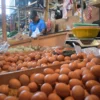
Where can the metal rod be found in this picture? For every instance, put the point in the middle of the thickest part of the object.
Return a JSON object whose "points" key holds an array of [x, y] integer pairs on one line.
{"points": [[4, 32], [82, 17]]}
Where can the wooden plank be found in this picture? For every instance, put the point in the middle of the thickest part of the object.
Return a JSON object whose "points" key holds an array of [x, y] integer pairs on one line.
{"points": [[4, 20]]}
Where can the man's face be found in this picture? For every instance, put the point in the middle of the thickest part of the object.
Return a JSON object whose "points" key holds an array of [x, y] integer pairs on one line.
{"points": [[35, 19]]}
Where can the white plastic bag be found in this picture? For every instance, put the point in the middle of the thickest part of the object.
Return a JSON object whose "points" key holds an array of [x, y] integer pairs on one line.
{"points": [[4, 47], [36, 33]]}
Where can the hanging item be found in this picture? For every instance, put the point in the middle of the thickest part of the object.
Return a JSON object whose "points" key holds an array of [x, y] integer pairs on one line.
{"points": [[66, 6], [58, 13], [48, 25], [89, 16]]}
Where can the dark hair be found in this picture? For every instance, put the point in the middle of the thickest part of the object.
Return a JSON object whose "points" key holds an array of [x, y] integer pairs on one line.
{"points": [[33, 14], [78, 6]]}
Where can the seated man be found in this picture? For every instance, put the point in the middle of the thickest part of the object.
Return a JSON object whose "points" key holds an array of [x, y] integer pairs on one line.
{"points": [[36, 23]]}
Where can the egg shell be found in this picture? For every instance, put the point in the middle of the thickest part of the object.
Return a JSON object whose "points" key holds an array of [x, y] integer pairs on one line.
{"points": [[64, 71], [92, 97], [11, 98], [4, 89], [2, 96], [64, 66], [48, 71], [69, 98], [73, 66]]}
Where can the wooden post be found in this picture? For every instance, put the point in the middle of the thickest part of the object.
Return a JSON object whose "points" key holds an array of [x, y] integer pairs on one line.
{"points": [[46, 12], [4, 32]]}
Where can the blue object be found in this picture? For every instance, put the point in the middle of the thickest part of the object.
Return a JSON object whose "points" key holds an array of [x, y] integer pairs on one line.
{"points": [[40, 24]]}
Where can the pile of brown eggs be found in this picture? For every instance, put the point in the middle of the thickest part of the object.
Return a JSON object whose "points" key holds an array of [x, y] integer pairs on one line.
{"points": [[78, 80]]}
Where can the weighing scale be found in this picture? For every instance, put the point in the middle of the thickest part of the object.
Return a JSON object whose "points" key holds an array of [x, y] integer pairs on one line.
{"points": [[83, 42]]}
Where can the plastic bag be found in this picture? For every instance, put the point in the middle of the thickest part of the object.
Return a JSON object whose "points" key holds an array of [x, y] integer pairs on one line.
{"points": [[4, 47], [36, 33]]}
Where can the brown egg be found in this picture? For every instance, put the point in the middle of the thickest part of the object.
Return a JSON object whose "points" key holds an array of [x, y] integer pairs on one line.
{"points": [[96, 60], [21, 58], [57, 71], [22, 88], [78, 71], [54, 96], [73, 66], [81, 65], [32, 55], [33, 86], [69, 98], [62, 89], [65, 66], [2, 96], [74, 57], [39, 78], [27, 59], [24, 68], [49, 78], [67, 58], [51, 59], [60, 57], [25, 95], [55, 75], [46, 88], [90, 56], [89, 65], [80, 55], [74, 75], [86, 60], [32, 78], [64, 71], [4, 89], [56, 63], [96, 90], [74, 82], [12, 69], [78, 92], [11, 98], [89, 84], [24, 79], [14, 83], [39, 96], [63, 78], [87, 77], [44, 65], [5, 67], [48, 71], [44, 60], [96, 70], [92, 97], [86, 71], [77, 61]]}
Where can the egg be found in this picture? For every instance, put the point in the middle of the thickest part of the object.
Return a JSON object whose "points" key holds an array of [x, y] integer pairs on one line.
{"points": [[39, 96], [74, 75], [73, 66], [2, 96], [33, 86], [57, 71], [89, 84], [92, 97], [65, 66], [14, 83], [78, 92], [96, 70], [86, 71], [56, 63], [63, 78], [49, 78], [26, 88], [67, 58], [74, 57], [54, 96], [4, 89], [44, 60], [74, 82], [64, 71], [32, 78], [90, 56], [87, 77], [69, 98], [25, 95], [39, 78], [96, 60], [81, 65], [24, 68], [46, 88], [96, 90], [78, 71], [89, 65], [48, 71], [24, 79], [62, 89], [5, 67], [51, 59], [86, 93], [44, 65], [60, 57], [11, 98]]}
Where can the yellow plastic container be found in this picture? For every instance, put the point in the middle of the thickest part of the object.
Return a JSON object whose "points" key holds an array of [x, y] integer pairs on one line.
{"points": [[86, 32]]}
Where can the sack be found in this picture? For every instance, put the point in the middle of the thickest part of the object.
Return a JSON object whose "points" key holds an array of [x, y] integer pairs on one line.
{"points": [[36, 33]]}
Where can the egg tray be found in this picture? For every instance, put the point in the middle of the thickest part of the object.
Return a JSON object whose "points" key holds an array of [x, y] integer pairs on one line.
{"points": [[7, 76]]}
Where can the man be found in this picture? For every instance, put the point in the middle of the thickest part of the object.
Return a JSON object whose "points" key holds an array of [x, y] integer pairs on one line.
{"points": [[36, 23]]}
